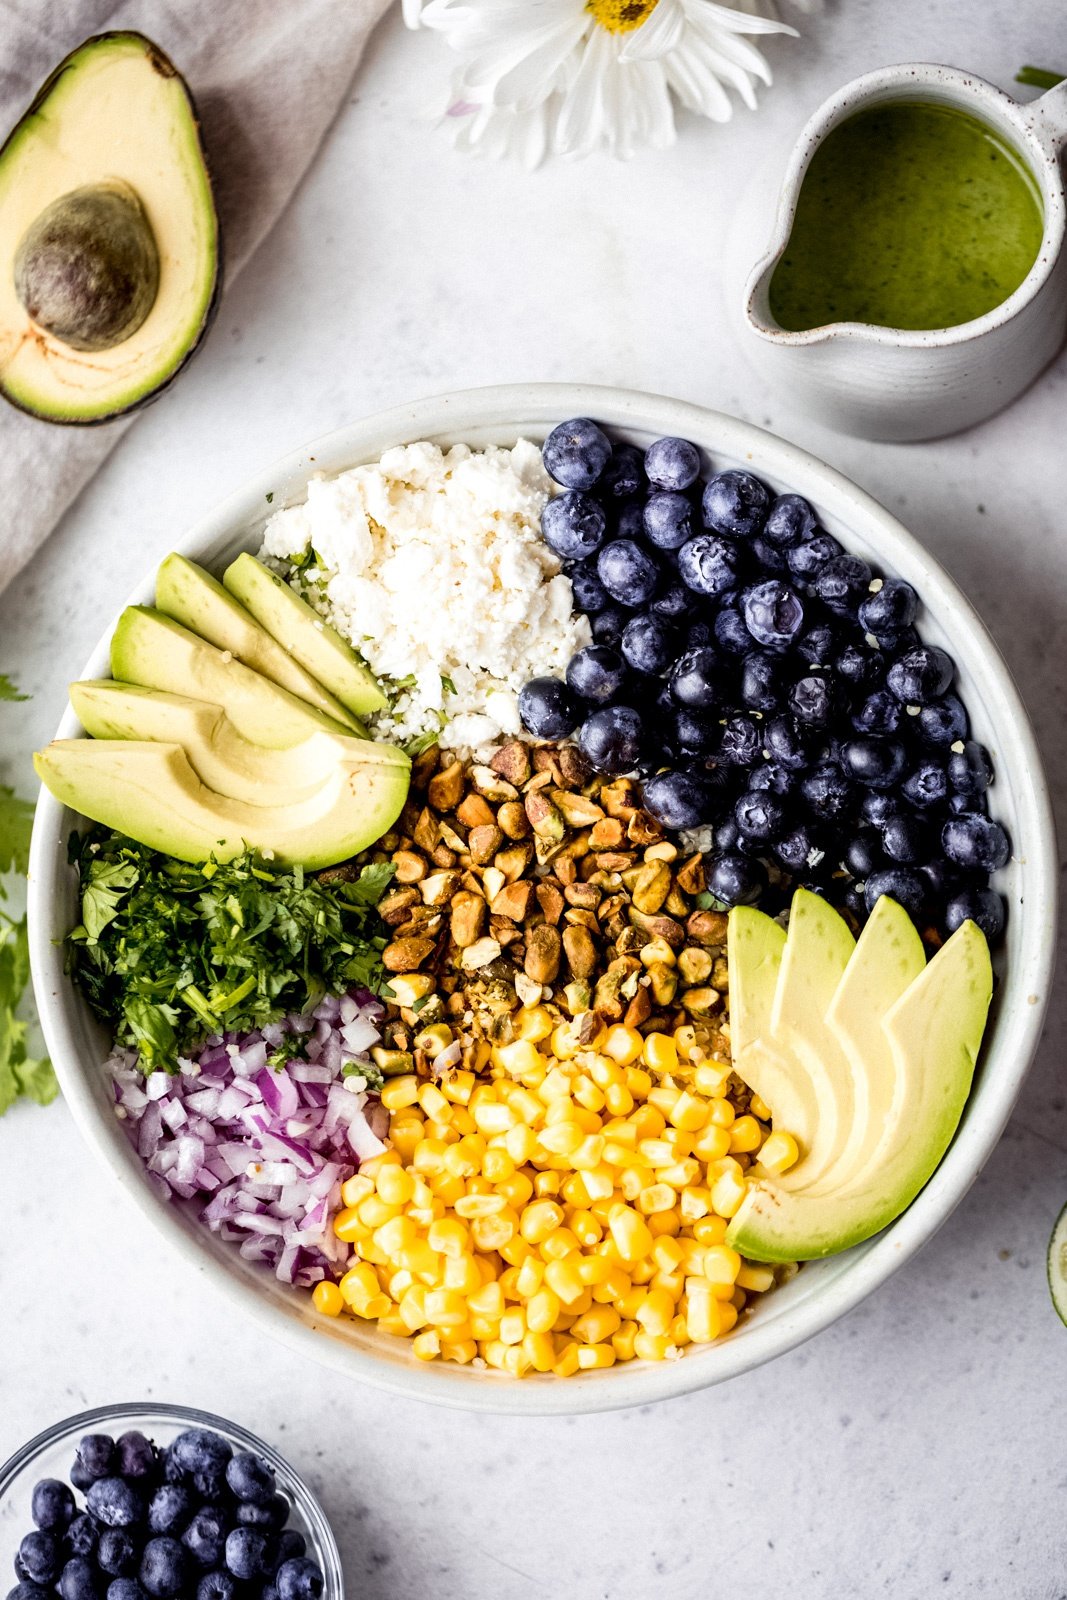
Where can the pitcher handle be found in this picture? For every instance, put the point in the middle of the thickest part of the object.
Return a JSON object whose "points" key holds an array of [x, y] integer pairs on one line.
{"points": [[1050, 112]]}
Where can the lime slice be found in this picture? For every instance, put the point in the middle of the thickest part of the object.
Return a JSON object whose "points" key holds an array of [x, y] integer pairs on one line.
{"points": [[1057, 1265]]}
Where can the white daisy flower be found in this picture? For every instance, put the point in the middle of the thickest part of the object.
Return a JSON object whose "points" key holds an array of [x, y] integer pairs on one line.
{"points": [[572, 76]]}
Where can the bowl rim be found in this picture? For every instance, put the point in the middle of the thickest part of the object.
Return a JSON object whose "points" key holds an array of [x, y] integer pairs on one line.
{"points": [[512, 410], [168, 1413]]}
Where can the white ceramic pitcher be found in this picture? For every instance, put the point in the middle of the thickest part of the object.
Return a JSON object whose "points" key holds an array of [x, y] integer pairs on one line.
{"points": [[902, 383]]}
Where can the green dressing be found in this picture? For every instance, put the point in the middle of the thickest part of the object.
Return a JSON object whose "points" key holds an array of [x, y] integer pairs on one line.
{"points": [[911, 215]]}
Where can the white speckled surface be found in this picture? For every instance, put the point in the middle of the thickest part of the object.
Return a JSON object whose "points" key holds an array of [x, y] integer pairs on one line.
{"points": [[918, 1447]]}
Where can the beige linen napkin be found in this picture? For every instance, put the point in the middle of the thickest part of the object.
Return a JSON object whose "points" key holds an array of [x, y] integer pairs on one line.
{"points": [[268, 77]]}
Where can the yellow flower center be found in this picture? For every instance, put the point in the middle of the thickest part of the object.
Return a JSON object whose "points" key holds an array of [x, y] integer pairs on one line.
{"points": [[620, 16]]}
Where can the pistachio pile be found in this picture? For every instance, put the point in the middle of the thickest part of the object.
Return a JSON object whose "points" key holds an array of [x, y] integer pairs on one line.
{"points": [[534, 881]]}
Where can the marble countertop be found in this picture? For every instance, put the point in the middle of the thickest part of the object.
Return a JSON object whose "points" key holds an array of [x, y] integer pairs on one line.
{"points": [[918, 1446]]}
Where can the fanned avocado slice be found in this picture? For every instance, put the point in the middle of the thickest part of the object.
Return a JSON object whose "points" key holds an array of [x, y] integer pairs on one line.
{"points": [[109, 240]]}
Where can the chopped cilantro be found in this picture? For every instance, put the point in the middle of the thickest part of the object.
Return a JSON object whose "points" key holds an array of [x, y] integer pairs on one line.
{"points": [[169, 953], [8, 691], [270, 496]]}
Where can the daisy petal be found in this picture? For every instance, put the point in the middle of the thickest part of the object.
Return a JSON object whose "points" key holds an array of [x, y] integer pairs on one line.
{"points": [[661, 31]]}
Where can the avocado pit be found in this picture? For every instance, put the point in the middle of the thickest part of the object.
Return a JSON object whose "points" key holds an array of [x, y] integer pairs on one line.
{"points": [[87, 269]]}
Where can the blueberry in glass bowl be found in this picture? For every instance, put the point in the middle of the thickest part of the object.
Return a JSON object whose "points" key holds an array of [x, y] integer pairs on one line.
{"points": [[166, 1487]]}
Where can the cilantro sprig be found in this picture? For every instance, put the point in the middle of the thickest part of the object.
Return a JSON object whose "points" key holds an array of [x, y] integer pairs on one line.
{"points": [[168, 953]]}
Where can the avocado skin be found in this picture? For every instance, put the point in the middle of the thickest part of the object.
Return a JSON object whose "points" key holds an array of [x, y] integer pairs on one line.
{"points": [[166, 69]]}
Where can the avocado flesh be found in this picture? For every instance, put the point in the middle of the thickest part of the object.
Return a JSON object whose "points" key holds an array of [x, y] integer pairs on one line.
{"points": [[115, 115], [191, 596], [152, 650], [755, 943], [221, 758], [934, 1032], [318, 648], [151, 793]]}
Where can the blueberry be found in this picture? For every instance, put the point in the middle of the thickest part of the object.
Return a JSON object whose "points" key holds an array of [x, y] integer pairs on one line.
{"points": [[972, 840], [573, 525], [808, 559], [983, 906], [692, 734], [760, 815], [863, 854], [786, 743], [576, 453], [901, 884], [118, 1552], [826, 791], [217, 1585], [248, 1553], [201, 1450], [611, 739], [125, 1589], [891, 607], [79, 1477], [630, 522], [695, 678], [627, 572], [734, 879], [40, 1555], [672, 602], [52, 1504], [291, 1543], [880, 713], [588, 591], [944, 722], [926, 786], [677, 799], [960, 803], [26, 1589], [798, 850], [767, 558], [648, 644], [728, 836], [77, 1581], [596, 673], [170, 1508], [272, 1514], [877, 808], [920, 676], [730, 632], [818, 646], [773, 777], [970, 770], [96, 1456], [672, 464], [905, 839], [83, 1536], [115, 1503], [736, 503], [668, 520], [608, 624], [860, 668], [205, 1537], [876, 763], [547, 708], [171, 1468], [709, 565], [739, 744], [842, 584], [773, 613], [789, 522], [811, 700], [136, 1455], [299, 1579], [624, 474], [759, 688], [163, 1567]]}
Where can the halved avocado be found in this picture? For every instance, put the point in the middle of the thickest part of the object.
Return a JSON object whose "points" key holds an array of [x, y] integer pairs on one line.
{"points": [[109, 240]]}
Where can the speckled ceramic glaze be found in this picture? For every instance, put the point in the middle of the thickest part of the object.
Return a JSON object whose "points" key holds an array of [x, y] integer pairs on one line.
{"points": [[895, 383], [822, 1291]]}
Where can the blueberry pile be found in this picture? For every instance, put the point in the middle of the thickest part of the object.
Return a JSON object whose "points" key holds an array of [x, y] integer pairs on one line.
{"points": [[765, 682], [193, 1521]]}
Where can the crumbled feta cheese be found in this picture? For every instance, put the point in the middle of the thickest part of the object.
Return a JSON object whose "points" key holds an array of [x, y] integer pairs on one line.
{"points": [[432, 565]]}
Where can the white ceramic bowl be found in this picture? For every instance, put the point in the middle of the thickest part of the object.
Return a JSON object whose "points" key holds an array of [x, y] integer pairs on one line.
{"points": [[821, 1292]]}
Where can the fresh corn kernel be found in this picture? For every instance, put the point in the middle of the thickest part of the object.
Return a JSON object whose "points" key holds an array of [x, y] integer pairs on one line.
{"points": [[535, 1024], [709, 1230], [463, 1352], [711, 1078], [689, 1112], [727, 1188], [349, 1225], [520, 1142], [539, 1219], [667, 1254], [596, 1325], [567, 1360], [426, 1346], [493, 1233], [659, 1052], [400, 1092], [622, 1341], [448, 1236], [497, 1166], [651, 1346], [519, 1057], [462, 1273], [721, 1112], [779, 1151], [479, 1205], [540, 1350], [563, 1139], [755, 1277], [563, 1278], [721, 1266], [664, 1222], [759, 1108], [623, 1044], [630, 1233], [657, 1197], [516, 1190], [328, 1299], [592, 1357], [395, 1186], [459, 1088], [746, 1135], [356, 1188]]}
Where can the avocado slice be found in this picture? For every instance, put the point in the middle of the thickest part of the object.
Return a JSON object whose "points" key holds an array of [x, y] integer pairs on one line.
{"points": [[220, 757], [109, 240], [158, 653], [191, 596], [755, 944], [152, 793], [934, 1032], [319, 648]]}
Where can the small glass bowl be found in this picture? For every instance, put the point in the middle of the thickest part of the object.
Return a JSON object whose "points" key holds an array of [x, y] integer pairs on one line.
{"points": [[51, 1455]]}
